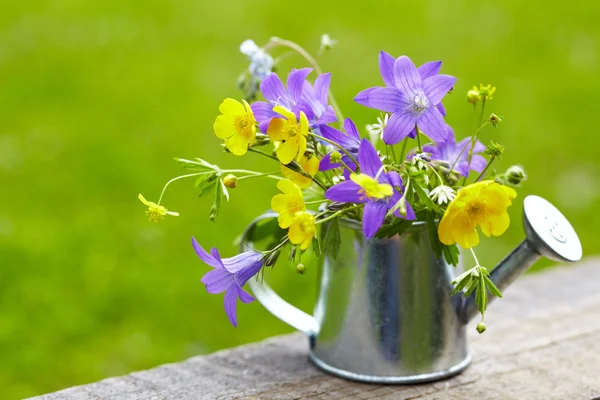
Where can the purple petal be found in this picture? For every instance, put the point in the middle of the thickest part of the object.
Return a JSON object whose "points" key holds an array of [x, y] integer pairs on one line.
{"points": [[462, 167], [217, 280], [394, 179], [413, 134], [248, 272], [339, 137], [386, 67], [215, 253], [437, 86], [322, 87], [398, 127], [373, 217], [345, 192], [231, 296], [430, 69], [479, 147], [244, 296], [204, 256], [351, 130], [241, 261], [410, 213], [328, 116], [305, 107], [441, 109], [387, 99], [432, 124], [295, 83], [406, 76], [362, 98], [262, 110], [368, 159], [325, 164], [272, 88], [478, 163]]}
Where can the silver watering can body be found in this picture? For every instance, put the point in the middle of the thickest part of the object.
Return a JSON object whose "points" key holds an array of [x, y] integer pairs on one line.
{"points": [[385, 313]]}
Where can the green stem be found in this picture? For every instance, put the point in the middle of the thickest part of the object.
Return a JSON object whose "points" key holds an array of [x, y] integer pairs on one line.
{"points": [[418, 140], [393, 154], [275, 41], [482, 111], [403, 154], [263, 153], [335, 214], [337, 145], [467, 145], [475, 257], [178, 178], [485, 169], [268, 175], [315, 202]]}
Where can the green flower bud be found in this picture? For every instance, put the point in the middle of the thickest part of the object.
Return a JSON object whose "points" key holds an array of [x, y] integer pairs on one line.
{"points": [[494, 119], [301, 269], [272, 258], [335, 157], [515, 175], [494, 150], [481, 328], [230, 181], [473, 95]]}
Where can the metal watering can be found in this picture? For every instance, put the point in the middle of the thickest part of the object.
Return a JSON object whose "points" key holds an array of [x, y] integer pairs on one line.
{"points": [[385, 313]]}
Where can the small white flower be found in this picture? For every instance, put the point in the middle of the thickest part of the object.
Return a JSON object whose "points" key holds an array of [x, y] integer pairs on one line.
{"points": [[442, 194], [327, 43], [248, 47], [376, 130]]}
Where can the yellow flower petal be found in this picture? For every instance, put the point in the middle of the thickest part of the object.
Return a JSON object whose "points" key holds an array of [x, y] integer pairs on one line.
{"points": [[287, 151], [232, 107], [301, 140], [224, 126], [237, 144], [285, 112], [277, 129], [143, 199]]}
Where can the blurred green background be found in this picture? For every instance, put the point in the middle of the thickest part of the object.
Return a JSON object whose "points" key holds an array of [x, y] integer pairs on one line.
{"points": [[96, 98]]}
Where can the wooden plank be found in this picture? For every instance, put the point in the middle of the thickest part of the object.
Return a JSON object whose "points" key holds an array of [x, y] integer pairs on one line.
{"points": [[542, 342]]}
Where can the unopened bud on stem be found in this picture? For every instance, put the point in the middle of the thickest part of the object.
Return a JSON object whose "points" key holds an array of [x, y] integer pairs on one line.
{"points": [[230, 181]]}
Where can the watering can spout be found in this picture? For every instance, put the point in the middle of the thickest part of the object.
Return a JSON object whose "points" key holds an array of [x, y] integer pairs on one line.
{"points": [[548, 234]]}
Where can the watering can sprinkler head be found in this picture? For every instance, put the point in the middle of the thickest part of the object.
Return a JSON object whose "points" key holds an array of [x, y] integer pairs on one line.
{"points": [[549, 234]]}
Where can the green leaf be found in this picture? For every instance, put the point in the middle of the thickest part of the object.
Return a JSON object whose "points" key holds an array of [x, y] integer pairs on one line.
{"points": [[216, 207], [197, 164], [395, 229], [206, 182], [423, 197], [434, 239], [461, 284], [317, 247], [224, 189], [481, 293], [492, 288], [471, 286], [332, 238], [451, 254]]}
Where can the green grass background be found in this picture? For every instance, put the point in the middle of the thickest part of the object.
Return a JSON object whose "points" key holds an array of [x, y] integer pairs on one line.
{"points": [[96, 97]]}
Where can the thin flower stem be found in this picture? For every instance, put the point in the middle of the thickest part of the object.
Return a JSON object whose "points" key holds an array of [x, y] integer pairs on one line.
{"points": [[403, 154], [474, 140], [418, 140], [263, 153], [485, 169], [482, 111], [393, 153], [337, 145], [178, 178], [335, 214], [437, 174], [475, 257], [315, 202], [467, 145], [267, 175], [346, 166], [275, 41]]}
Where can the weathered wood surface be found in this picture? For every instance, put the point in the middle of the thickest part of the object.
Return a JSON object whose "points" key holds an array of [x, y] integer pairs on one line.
{"points": [[542, 342]]}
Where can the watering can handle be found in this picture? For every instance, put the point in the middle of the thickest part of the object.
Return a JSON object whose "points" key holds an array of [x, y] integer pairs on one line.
{"points": [[280, 308]]}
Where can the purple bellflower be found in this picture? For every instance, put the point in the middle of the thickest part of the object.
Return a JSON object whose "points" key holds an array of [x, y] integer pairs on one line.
{"points": [[349, 141], [450, 151], [277, 95], [412, 100], [368, 187], [317, 98], [229, 275]]}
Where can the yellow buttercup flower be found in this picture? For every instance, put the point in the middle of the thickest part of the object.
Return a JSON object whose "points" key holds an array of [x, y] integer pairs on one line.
{"points": [[291, 133], [288, 203], [483, 203], [156, 212], [236, 125], [309, 165], [371, 188], [303, 229]]}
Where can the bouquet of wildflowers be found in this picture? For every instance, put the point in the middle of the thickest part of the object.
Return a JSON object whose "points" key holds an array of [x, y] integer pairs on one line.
{"points": [[410, 167]]}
